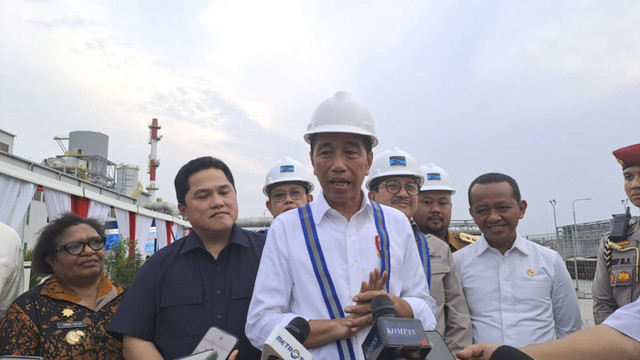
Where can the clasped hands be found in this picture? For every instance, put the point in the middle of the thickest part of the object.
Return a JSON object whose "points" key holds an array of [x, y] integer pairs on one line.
{"points": [[359, 315]]}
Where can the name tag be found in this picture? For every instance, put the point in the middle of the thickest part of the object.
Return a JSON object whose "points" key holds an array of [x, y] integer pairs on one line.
{"points": [[71, 324]]}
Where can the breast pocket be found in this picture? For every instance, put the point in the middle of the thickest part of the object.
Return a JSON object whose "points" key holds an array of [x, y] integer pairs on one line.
{"points": [[179, 312], [533, 290], [623, 267], [439, 266], [622, 276]]}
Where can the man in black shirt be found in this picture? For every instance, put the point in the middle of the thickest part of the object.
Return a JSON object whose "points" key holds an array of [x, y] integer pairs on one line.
{"points": [[202, 280]]}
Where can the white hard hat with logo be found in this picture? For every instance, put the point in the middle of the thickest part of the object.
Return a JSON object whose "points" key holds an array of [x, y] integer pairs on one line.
{"points": [[435, 178], [285, 171], [342, 113], [394, 162]]}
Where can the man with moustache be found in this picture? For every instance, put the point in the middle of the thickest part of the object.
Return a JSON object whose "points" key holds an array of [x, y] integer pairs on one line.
{"points": [[433, 214], [395, 180], [204, 279], [616, 281], [324, 261], [288, 185], [518, 292]]}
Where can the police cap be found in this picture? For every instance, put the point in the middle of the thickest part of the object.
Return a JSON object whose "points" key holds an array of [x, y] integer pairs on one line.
{"points": [[628, 156]]}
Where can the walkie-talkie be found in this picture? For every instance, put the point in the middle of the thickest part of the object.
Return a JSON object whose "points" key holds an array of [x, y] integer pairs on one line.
{"points": [[620, 226]]}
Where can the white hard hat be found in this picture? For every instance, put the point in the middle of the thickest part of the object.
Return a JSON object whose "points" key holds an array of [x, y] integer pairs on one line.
{"points": [[435, 178], [342, 113], [394, 162], [287, 170]]}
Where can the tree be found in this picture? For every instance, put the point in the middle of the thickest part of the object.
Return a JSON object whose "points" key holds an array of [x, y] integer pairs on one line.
{"points": [[119, 265]]}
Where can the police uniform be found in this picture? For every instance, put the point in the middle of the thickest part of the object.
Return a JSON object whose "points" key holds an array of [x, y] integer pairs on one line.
{"points": [[616, 281], [453, 321]]}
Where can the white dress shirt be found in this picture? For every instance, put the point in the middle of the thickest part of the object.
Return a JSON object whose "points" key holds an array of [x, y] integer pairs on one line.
{"points": [[11, 267], [523, 297], [626, 320], [286, 286]]}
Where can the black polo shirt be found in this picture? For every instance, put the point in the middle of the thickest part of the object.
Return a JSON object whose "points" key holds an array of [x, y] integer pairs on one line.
{"points": [[182, 291]]}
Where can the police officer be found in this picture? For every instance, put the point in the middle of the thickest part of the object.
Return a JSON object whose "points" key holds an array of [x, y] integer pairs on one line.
{"points": [[288, 185], [395, 181], [434, 208], [616, 280]]}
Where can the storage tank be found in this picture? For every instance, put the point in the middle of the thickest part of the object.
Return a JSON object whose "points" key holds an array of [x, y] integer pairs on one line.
{"points": [[87, 143], [94, 147], [127, 179]]}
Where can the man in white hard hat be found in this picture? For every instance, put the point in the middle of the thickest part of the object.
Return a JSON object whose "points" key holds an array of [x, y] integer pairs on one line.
{"points": [[434, 207], [288, 185], [324, 261], [395, 180]]}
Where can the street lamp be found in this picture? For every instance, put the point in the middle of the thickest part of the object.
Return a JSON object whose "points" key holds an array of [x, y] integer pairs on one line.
{"points": [[555, 222], [575, 229]]}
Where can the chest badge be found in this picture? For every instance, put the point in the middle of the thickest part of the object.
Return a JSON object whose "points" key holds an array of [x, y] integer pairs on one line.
{"points": [[531, 272], [75, 337], [67, 313], [378, 247], [623, 277]]}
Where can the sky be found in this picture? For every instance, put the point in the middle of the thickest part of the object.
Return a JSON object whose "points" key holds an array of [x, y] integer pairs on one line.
{"points": [[543, 91]]}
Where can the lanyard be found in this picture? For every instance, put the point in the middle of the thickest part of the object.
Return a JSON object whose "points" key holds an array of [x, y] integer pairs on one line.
{"points": [[322, 275], [423, 249], [321, 271]]}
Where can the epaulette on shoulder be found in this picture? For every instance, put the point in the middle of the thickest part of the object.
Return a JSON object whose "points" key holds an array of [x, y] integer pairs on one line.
{"points": [[468, 238]]}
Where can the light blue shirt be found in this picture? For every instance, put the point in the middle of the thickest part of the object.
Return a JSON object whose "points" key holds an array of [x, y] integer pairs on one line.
{"points": [[523, 297], [286, 286]]}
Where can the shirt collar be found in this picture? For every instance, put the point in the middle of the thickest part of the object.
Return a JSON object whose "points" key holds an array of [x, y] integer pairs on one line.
{"points": [[54, 289], [193, 241], [321, 206], [519, 244]]}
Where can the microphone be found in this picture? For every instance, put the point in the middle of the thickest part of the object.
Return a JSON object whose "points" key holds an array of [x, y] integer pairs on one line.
{"points": [[286, 342], [391, 337]]}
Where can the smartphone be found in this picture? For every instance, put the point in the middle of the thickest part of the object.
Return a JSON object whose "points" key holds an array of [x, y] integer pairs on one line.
{"points": [[205, 355], [439, 349], [219, 340]]}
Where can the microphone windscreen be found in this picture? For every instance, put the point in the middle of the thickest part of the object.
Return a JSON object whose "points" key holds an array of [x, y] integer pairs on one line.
{"points": [[382, 306], [299, 328]]}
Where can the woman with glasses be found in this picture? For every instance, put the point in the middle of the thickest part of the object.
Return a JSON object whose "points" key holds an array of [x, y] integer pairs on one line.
{"points": [[65, 317]]}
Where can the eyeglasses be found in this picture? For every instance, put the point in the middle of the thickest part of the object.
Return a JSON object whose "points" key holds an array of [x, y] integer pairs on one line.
{"points": [[280, 196], [77, 247], [394, 187]]}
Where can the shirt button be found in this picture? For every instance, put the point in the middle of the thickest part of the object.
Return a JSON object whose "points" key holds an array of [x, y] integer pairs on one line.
{"points": [[218, 292], [218, 268], [218, 317]]}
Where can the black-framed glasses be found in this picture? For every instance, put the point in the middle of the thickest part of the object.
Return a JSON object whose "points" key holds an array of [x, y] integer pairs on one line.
{"points": [[77, 247], [394, 187], [279, 196]]}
